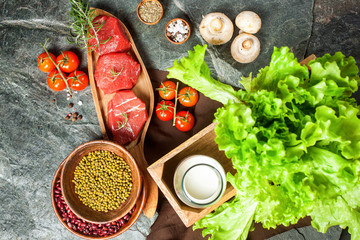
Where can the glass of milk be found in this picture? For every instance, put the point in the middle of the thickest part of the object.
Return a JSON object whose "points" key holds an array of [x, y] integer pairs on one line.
{"points": [[199, 181]]}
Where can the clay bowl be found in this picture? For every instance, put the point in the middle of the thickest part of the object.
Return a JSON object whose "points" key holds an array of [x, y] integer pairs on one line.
{"points": [[167, 33], [55, 198], [68, 187], [142, 20]]}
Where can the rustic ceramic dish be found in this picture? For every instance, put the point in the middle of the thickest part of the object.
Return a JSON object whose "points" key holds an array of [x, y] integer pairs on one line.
{"points": [[68, 187], [135, 215], [173, 20], [142, 20], [143, 90]]}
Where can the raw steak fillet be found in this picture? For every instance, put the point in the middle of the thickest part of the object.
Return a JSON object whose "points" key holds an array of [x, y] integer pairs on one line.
{"points": [[112, 29], [116, 71], [126, 116]]}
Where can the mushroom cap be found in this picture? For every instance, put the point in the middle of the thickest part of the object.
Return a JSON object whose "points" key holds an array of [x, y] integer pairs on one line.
{"points": [[245, 48], [248, 21], [216, 28]]}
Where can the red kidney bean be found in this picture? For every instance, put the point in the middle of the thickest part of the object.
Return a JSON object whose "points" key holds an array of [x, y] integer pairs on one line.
{"points": [[126, 217], [122, 222], [132, 210]]}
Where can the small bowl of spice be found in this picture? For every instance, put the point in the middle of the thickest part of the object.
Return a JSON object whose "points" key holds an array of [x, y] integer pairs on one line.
{"points": [[100, 181], [177, 31], [149, 11]]}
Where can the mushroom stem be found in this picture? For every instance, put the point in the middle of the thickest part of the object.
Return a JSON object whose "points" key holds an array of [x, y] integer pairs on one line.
{"points": [[246, 44], [216, 25]]}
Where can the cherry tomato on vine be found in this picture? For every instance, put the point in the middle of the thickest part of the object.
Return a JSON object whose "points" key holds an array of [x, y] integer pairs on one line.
{"points": [[165, 110], [188, 96], [184, 121], [78, 80], [167, 90], [67, 61], [44, 63], [55, 81]]}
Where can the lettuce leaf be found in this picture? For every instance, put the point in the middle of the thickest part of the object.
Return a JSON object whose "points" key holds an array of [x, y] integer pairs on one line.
{"points": [[194, 72], [294, 139], [237, 215]]}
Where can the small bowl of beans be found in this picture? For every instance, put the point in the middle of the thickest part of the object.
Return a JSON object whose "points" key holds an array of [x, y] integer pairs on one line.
{"points": [[149, 12], [177, 31], [100, 181], [81, 227]]}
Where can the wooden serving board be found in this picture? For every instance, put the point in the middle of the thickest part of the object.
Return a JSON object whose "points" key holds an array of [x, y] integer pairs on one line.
{"points": [[143, 90]]}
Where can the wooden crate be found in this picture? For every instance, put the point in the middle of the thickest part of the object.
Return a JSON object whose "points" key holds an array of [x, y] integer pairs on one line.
{"points": [[163, 172]]}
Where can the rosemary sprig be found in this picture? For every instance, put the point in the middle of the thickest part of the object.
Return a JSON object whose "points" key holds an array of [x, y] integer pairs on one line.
{"points": [[82, 21], [176, 99], [122, 124], [114, 74]]}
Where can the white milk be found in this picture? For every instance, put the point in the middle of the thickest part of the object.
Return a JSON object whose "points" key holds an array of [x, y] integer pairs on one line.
{"points": [[202, 183]]}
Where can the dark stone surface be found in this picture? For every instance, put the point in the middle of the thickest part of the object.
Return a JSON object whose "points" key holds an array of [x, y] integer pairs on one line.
{"points": [[35, 137]]}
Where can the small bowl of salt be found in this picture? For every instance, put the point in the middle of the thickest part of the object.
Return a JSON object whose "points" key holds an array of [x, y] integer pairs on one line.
{"points": [[177, 31]]}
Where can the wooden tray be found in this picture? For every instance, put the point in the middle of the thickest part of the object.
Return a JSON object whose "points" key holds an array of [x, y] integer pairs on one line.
{"points": [[143, 90], [163, 172]]}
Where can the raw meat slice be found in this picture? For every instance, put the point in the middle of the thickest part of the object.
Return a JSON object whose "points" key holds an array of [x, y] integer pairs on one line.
{"points": [[126, 116], [112, 29], [116, 71]]}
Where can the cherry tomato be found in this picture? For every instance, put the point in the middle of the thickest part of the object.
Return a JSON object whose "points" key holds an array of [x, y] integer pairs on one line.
{"points": [[184, 121], [44, 62], [165, 110], [188, 96], [167, 90], [78, 80], [67, 61], [55, 81]]}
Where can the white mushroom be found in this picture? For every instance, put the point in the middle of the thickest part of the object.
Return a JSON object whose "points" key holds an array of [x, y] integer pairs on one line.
{"points": [[216, 28], [248, 21], [245, 48]]}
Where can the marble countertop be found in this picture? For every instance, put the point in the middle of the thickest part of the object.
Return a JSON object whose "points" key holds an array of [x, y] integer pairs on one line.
{"points": [[35, 137]]}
